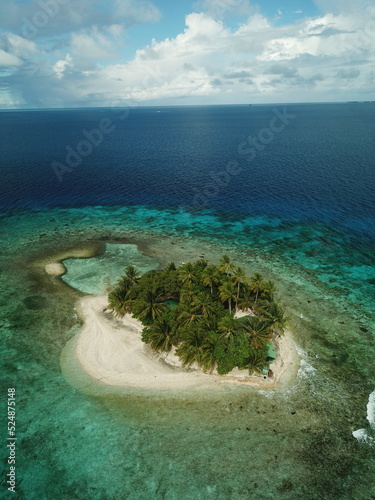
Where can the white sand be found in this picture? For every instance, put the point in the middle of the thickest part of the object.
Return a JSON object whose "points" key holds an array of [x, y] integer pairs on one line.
{"points": [[55, 268], [111, 351]]}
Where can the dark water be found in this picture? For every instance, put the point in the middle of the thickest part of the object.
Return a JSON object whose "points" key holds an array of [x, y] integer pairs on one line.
{"points": [[287, 191], [317, 165]]}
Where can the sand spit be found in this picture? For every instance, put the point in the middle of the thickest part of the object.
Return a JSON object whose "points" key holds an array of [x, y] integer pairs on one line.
{"points": [[55, 267]]}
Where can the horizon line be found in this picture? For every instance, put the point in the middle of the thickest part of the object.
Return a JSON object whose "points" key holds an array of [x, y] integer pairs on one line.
{"points": [[135, 106]]}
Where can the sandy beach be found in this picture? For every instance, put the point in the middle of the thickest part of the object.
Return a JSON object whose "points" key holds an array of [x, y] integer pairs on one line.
{"points": [[111, 351]]}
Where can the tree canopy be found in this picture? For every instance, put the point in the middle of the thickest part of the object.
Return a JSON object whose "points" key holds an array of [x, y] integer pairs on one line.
{"points": [[193, 309]]}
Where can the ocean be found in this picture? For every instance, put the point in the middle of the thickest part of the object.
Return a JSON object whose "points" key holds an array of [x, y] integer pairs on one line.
{"points": [[286, 190]]}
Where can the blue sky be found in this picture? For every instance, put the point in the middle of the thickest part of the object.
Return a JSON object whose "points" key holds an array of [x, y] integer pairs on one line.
{"points": [[76, 53]]}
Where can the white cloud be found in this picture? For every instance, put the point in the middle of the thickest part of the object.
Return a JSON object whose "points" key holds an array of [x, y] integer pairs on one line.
{"points": [[7, 59], [31, 20], [60, 66], [21, 47], [219, 9], [137, 11], [330, 56], [14, 50], [256, 23], [95, 44], [202, 37]]}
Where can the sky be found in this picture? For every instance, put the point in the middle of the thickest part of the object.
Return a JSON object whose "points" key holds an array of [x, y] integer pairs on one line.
{"points": [[88, 53]]}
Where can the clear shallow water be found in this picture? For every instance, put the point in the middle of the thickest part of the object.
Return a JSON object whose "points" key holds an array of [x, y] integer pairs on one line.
{"points": [[80, 440], [97, 275]]}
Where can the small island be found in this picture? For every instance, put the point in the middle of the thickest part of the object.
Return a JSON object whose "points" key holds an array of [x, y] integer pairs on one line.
{"points": [[211, 316]]}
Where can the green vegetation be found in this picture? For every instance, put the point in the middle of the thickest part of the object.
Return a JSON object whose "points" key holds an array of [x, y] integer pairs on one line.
{"points": [[192, 308]]}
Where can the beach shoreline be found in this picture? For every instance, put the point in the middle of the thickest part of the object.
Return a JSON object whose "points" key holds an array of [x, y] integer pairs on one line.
{"points": [[111, 352]]}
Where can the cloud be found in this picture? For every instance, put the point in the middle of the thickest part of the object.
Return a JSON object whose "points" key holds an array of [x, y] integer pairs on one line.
{"points": [[283, 70], [202, 37], [96, 45], [239, 74], [136, 11], [61, 66], [219, 9], [209, 61], [348, 73], [7, 59], [326, 36], [41, 18]]}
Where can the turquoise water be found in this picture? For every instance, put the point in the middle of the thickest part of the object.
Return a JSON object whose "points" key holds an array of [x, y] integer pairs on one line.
{"points": [[80, 440], [97, 275]]}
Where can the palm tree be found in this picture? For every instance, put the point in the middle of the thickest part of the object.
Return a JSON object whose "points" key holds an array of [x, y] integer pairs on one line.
{"points": [[227, 293], [210, 277], [159, 335], [274, 315], [201, 263], [239, 276], [225, 265], [207, 354], [190, 351], [117, 301], [210, 322], [246, 301], [227, 328], [123, 284], [189, 316], [257, 361], [256, 285], [257, 330], [268, 290], [203, 303], [151, 306], [186, 273], [170, 267], [187, 294], [132, 274]]}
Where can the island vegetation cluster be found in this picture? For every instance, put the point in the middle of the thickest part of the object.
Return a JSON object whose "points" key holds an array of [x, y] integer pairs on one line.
{"points": [[193, 309]]}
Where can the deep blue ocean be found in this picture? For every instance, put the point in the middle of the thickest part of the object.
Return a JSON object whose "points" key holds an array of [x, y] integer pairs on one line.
{"points": [[320, 166], [287, 190]]}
